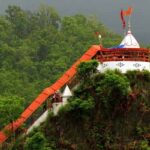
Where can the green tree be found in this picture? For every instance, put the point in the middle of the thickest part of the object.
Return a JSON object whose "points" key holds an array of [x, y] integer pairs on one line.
{"points": [[5, 30], [35, 142], [19, 20], [78, 109], [48, 16], [87, 69], [10, 109], [113, 89]]}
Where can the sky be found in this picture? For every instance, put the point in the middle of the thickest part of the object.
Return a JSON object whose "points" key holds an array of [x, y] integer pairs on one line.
{"points": [[105, 10]]}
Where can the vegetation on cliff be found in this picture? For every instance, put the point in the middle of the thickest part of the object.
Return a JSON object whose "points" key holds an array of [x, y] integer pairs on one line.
{"points": [[108, 111]]}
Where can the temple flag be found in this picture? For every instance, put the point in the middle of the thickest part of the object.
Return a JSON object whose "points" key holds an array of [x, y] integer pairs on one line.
{"points": [[122, 19], [128, 12], [124, 13]]}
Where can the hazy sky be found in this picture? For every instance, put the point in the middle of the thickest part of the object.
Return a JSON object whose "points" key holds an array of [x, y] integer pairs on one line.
{"points": [[106, 10]]}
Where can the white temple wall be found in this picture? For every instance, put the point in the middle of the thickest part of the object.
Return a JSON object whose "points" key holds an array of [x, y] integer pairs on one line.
{"points": [[56, 107], [124, 66]]}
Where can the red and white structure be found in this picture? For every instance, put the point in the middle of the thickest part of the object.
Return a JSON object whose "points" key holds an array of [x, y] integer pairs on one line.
{"points": [[129, 57]]}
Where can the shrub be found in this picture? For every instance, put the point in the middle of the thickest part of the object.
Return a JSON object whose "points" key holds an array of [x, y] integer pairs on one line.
{"points": [[112, 90], [86, 69], [78, 108], [36, 142]]}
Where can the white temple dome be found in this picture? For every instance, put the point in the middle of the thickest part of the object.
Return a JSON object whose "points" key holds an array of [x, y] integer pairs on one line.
{"points": [[129, 41]]}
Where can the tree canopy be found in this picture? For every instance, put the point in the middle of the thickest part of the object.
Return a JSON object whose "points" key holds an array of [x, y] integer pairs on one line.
{"points": [[10, 109], [36, 47]]}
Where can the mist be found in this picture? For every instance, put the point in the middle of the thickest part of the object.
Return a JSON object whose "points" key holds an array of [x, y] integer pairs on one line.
{"points": [[105, 10]]}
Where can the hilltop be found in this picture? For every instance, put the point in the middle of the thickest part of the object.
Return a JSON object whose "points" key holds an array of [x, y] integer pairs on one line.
{"points": [[108, 111]]}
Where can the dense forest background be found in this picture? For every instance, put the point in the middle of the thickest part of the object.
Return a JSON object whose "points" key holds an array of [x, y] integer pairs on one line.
{"points": [[37, 47]]}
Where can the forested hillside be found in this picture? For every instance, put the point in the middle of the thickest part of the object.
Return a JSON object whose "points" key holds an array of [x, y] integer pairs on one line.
{"points": [[36, 47]]}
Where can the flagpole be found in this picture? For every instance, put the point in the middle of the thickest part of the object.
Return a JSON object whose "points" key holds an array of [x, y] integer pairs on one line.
{"points": [[129, 23], [129, 19], [124, 31]]}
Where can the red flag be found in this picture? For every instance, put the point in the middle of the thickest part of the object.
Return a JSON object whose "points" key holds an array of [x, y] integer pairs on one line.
{"points": [[122, 19], [128, 12], [123, 13]]}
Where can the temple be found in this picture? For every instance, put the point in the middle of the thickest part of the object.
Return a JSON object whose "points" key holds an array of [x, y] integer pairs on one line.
{"points": [[127, 56]]}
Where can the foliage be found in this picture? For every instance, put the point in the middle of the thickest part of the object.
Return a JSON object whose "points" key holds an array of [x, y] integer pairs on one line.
{"points": [[113, 90], [36, 142], [78, 108], [86, 69], [116, 120], [143, 145], [139, 81], [103, 114], [36, 47], [10, 108]]}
